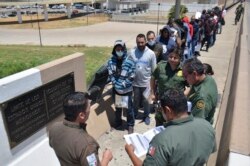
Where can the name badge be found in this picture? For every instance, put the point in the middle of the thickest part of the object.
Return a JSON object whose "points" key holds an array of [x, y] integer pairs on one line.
{"points": [[92, 161]]}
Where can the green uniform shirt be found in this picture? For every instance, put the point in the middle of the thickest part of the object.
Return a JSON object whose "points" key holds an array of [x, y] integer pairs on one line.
{"points": [[167, 78], [204, 99], [185, 142]]}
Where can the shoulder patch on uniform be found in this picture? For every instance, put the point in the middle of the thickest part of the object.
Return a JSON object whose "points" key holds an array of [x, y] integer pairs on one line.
{"points": [[200, 104], [151, 151], [179, 73], [92, 161]]}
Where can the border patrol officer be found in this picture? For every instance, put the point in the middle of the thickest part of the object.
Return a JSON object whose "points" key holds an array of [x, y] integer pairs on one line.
{"points": [[168, 74], [203, 94], [185, 141]]}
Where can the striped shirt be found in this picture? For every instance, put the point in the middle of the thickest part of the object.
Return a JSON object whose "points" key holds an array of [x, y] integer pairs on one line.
{"points": [[122, 76]]}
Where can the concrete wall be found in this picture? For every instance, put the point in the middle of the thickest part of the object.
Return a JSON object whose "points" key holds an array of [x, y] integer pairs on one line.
{"points": [[224, 123], [35, 150]]}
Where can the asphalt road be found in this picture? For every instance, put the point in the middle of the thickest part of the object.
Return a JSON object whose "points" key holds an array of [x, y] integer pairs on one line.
{"points": [[103, 34]]}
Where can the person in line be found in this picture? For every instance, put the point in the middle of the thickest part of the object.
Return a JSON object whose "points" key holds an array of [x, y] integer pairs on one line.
{"points": [[121, 68], [167, 41], [203, 93], [188, 51], [155, 46], [183, 35], [208, 32], [145, 64], [239, 10], [168, 74], [186, 140], [69, 139], [195, 38]]}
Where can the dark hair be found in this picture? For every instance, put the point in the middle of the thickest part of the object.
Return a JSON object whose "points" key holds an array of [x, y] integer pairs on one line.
{"points": [[150, 32], [204, 11], [177, 51], [141, 36], [170, 21], [193, 64], [164, 29], [208, 69], [179, 22], [75, 103], [175, 99], [123, 45]]}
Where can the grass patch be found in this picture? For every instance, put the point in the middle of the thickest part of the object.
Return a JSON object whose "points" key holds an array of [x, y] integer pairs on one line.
{"points": [[17, 58]]}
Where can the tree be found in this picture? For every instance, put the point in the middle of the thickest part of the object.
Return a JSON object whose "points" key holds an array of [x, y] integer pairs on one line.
{"points": [[183, 11]]}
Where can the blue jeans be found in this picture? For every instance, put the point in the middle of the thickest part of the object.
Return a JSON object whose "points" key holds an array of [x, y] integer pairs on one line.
{"points": [[194, 43], [130, 112], [140, 100]]}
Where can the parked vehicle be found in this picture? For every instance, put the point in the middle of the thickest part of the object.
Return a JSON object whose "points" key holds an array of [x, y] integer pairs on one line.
{"points": [[107, 11], [12, 14], [9, 7], [78, 6], [4, 16], [125, 11]]}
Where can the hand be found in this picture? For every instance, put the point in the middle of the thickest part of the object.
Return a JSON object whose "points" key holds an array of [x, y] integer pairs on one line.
{"points": [[152, 96], [107, 155], [129, 148]]}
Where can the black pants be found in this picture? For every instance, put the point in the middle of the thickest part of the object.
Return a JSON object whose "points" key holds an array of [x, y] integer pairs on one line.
{"points": [[207, 39]]}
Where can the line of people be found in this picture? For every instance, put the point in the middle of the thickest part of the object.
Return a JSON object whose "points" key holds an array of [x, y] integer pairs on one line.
{"points": [[146, 72], [163, 66], [160, 68]]}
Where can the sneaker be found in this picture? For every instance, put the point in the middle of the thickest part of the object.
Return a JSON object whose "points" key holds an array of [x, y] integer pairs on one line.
{"points": [[119, 126], [196, 53], [147, 120], [130, 129]]}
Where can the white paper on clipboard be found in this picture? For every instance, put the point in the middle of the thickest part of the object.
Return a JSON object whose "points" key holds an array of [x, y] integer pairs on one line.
{"points": [[197, 47]]}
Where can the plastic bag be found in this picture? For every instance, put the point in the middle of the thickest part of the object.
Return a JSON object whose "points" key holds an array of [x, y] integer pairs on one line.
{"points": [[121, 101], [197, 48]]}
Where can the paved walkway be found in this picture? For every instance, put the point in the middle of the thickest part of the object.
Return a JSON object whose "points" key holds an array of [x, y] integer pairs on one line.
{"points": [[105, 34]]}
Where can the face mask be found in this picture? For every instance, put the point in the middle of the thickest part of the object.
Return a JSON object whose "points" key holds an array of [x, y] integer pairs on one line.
{"points": [[119, 53], [151, 43]]}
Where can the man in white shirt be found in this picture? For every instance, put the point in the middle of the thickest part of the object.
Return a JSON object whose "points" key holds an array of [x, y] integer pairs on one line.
{"points": [[145, 64]]}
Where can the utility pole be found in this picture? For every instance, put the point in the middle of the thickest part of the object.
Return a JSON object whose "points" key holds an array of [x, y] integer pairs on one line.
{"points": [[158, 15], [177, 9], [30, 13], [39, 29]]}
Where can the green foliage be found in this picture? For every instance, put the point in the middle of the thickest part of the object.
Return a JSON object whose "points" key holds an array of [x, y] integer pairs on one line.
{"points": [[17, 58], [183, 11]]}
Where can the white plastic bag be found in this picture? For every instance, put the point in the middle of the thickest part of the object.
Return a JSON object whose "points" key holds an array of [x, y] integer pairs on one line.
{"points": [[197, 48], [121, 101]]}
